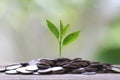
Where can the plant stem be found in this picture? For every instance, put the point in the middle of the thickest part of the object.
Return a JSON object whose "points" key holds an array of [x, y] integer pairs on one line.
{"points": [[60, 47]]}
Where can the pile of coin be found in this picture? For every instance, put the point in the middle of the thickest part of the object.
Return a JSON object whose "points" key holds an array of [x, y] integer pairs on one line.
{"points": [[60, 66]]}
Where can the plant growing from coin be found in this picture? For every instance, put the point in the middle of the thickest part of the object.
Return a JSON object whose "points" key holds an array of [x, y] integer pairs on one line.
{"points": [[60, 34]]}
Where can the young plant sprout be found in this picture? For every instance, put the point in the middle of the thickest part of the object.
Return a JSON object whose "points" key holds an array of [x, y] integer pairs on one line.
{"points": [[60, 34]]}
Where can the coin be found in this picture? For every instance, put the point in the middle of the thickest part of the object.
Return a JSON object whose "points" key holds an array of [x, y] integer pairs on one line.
{"points": [[11, 72], [23, 70], [12, 67], [32, 68]]}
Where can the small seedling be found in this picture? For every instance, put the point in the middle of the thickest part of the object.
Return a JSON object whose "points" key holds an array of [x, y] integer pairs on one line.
{"points": [[60, 34]]}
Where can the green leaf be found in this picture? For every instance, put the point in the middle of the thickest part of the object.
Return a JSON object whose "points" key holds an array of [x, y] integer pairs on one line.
{"points": [[53, 28], [65, 30], [61, 27], [71, 37]]}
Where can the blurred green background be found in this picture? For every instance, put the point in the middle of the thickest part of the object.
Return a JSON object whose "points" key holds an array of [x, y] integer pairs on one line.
{"points": [[24, 34]]}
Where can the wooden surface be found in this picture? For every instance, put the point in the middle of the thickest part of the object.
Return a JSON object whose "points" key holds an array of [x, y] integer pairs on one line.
{"points": [[61, 77]]}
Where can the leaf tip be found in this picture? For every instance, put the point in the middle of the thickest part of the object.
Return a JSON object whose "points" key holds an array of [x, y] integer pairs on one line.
{"points": [[79, 31]]}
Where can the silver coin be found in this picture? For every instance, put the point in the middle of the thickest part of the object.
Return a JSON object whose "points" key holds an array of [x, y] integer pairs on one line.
{"points": [[116, 69], [12, 67], [23, 70], [32, 68], [56, 68], [33, 62], [118, 66], [11, 72], [81, 69], [45, 70]]}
